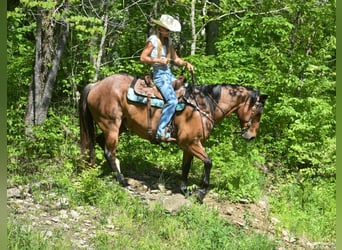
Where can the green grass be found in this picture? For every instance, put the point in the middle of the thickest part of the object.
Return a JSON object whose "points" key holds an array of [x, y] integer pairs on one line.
{"points": [[307, 208], [22, 235]]}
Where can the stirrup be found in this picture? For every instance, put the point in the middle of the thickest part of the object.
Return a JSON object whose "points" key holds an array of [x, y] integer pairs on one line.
{"points": [[166, 137]]}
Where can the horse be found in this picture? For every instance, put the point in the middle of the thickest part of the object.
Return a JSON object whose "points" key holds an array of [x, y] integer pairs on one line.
{"points": [[105, 104]]}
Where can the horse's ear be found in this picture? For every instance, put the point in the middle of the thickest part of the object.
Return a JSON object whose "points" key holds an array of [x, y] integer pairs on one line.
{"points": [[263, 98]]}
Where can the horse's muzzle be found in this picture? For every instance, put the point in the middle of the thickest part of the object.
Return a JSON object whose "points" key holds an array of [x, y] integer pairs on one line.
{"points": [[247, 136]]}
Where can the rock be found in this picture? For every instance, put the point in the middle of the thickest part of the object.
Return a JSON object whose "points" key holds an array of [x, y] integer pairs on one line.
{"points": [[287, 236], [229, 211], [62, 202], [75, 214], [14, 192], [161, 187], [63, 214], [274, 220], [263, 203], [244, 201], [48, 222], [55, 219], [47, 233], [175, 203]]}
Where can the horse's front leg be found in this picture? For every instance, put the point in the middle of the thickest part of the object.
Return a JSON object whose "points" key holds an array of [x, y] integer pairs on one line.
{"points": [[196, 149], [186, 164], [206, 179]]}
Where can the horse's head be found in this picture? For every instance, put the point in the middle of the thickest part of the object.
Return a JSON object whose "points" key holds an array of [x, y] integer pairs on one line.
{"points": [[250, 115]]}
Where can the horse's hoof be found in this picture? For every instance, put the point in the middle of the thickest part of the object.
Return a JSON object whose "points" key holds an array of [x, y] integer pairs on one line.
{"points": [[185, 191], [121, 180], [129, 188], [200, 196]]}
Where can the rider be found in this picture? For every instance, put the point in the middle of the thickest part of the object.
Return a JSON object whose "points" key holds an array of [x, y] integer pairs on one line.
{"points": [[159, 51]]}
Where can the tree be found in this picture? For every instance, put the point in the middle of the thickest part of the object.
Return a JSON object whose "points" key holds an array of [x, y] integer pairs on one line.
{"points": [[212, 28], [51, 39]]}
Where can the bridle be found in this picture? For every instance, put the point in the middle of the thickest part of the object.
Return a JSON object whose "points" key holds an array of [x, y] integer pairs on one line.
{"points": [[257, 106]]}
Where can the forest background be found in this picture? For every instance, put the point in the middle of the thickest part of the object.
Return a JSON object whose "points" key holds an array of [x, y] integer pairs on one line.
{"points": [[286, 49]]}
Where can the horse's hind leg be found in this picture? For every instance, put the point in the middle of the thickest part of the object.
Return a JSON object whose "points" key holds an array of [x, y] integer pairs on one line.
{"points": [[115, 165], [109, 152], [100, 139]]}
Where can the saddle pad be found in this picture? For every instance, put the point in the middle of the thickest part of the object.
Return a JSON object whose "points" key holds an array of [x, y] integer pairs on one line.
{"points": [[155, 102]]}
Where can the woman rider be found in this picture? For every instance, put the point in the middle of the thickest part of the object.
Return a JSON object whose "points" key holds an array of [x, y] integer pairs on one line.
{"points": [[159, 51]]}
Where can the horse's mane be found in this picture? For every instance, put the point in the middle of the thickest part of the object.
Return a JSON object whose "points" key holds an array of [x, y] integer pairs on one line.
{"points": [[211, 93]]}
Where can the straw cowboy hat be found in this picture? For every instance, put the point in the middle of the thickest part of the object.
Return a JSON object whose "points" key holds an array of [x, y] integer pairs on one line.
{"points": [[168, 22]]}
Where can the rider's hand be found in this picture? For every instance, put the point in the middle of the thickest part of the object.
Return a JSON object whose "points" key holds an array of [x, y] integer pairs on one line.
{"points": [[164, 60], [190, 67]]}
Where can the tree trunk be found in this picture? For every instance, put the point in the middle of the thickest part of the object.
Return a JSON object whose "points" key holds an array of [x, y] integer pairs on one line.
{"points": [[211, 32], [50, 82], [99, 55], [34, 96], [44, 77], [193, 28]]}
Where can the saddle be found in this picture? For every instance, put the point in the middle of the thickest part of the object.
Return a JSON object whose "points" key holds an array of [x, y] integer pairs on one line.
{"points": [[146, 87], [143, 90]]}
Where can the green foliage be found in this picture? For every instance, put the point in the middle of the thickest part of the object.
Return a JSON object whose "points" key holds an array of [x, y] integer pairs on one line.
{"points": [[235, 170], [54, 141], [88, 188], [302, 205], [310, 131], [285, 49], [20, 54], [215, 233], [238, 179]]}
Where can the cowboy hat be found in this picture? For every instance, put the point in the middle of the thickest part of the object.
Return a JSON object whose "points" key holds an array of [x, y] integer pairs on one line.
{"points": [[168, 22]]}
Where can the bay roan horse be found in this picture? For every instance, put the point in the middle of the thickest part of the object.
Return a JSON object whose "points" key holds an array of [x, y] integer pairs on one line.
{"points": [[105, 103]]}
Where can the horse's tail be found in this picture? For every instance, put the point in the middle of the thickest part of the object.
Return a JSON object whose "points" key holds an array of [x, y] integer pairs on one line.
{"points": [[87, 125]]}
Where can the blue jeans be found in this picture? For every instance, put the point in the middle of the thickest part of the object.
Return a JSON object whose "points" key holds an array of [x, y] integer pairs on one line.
{"points": [[163, 79]]}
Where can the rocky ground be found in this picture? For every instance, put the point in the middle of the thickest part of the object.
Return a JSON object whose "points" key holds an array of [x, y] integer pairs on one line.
{"points": [[54, 212]]}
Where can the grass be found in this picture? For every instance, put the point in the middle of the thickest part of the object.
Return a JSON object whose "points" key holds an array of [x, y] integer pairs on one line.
{"points": [[22, 235], [307, 209]]}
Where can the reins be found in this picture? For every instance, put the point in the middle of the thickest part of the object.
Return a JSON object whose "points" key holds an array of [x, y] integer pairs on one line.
{"points": [[197, 108], [212, 99]]}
